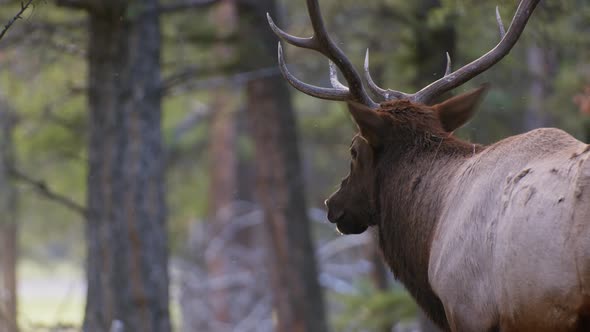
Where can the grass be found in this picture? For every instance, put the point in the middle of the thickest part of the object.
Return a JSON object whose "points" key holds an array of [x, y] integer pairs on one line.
{"points": [[38, 313], [50, 295]]}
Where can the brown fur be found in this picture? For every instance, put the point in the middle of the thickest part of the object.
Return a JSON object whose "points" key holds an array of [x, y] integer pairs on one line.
{"points": [[450, 216], [405, 233]]}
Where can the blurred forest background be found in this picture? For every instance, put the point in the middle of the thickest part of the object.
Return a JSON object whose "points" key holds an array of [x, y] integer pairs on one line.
{"points": [[158, 174]]}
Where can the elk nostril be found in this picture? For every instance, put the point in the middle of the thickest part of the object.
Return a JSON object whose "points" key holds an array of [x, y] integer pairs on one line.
{"points": [[334, 215], [326, 202]]}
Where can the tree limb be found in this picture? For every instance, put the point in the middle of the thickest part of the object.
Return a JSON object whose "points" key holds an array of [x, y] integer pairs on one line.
{"points": [[43, 190], [23, 7], [187, 84]]}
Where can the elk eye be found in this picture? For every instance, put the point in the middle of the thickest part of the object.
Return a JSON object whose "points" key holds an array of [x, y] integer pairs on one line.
{"points": [[353, 153]]}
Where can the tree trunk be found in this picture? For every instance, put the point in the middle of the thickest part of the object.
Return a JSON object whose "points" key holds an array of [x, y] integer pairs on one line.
{"points": [[222, 169], [539, 63], [221, 191], [126, 221], [8, 227], [297, 296]]}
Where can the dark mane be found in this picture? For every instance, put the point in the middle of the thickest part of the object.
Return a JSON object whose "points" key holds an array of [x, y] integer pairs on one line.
{"points": [[419, 126], [410, 178]]}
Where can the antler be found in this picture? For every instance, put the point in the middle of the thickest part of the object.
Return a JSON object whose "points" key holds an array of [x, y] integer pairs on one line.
{"points": [[322, 43], [452, 80]]}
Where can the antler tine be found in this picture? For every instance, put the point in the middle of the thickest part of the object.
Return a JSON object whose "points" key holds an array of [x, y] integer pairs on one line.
{"points": [[340, 93], [372, 85], [293, 40], [321, 42], [500, 24], [469, 71], [449, 65], [386, 94], [312, 90], [334, 77]]}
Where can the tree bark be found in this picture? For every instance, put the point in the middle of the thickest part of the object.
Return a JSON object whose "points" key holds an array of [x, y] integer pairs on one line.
{"points": [[126, 220], [297, 296], [223, 169], [8, 226], [221, 190], [539, 63]]}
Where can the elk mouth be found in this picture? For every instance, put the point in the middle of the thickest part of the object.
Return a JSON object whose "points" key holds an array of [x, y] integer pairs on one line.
{"points": [[347, 228], [344, 224]]}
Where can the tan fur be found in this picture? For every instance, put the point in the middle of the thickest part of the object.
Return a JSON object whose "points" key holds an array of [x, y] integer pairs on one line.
{"points": [[512, 246]]}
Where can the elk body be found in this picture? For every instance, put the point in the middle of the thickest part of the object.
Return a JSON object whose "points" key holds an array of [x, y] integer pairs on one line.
{"points": [[486, 238]]}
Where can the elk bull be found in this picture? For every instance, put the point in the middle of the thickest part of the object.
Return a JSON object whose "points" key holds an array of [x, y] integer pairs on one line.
{"points": [[486, 238]]}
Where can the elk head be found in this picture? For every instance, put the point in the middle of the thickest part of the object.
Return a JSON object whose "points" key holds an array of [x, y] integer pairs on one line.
{"points": [[401, 122]]}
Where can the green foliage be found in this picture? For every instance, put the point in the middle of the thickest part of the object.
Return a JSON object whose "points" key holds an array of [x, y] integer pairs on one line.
{"points": [[374, 310]]}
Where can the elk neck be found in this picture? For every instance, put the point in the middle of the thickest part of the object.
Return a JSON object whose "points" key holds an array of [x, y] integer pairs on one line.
{"points": [[410, 193]]}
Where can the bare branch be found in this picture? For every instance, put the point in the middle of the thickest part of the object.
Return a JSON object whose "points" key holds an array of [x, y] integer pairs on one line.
{"points": [[209, 83], [64, 37], [188, 73], [23, 7], [44, 190]]}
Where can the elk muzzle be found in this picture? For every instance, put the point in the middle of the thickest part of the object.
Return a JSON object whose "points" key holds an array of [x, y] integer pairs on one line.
{"points": [[345, 222]]}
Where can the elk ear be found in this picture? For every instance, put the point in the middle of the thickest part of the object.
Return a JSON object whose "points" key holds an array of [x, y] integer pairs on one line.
{"points": [[456, 111], [371, 124]]}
